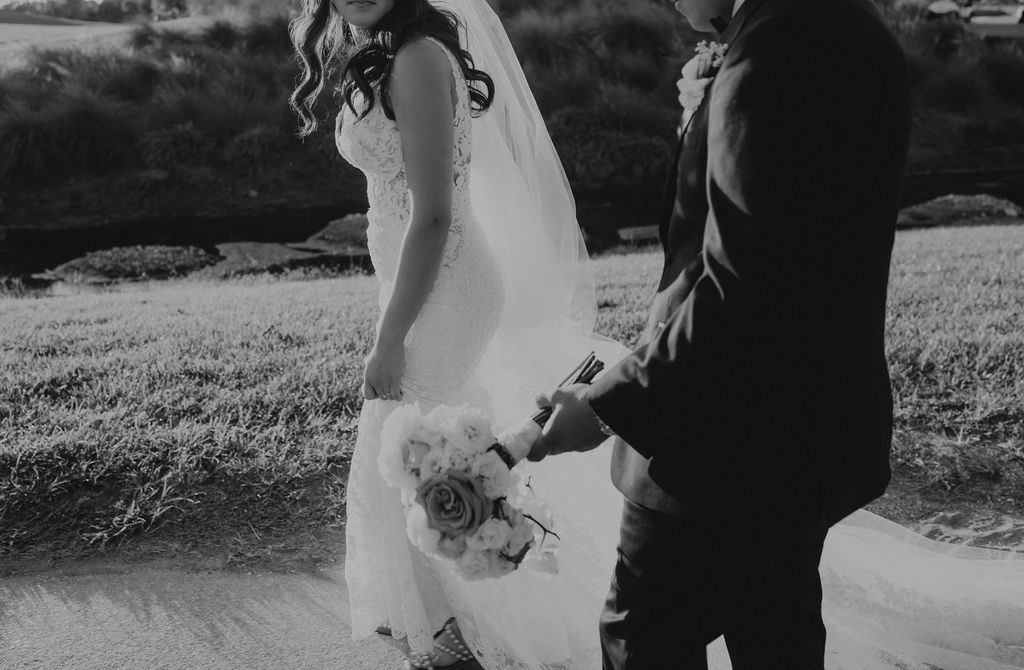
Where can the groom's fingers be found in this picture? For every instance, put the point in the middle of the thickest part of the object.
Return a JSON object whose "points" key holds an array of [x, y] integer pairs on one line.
{"points": [[544, 400]]}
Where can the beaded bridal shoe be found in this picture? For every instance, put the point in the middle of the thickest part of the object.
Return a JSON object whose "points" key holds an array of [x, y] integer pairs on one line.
{"points": [[450, 642]]}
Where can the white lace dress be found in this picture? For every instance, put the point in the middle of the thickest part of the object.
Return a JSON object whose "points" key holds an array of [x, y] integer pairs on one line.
{"points": [[892, 598], [518, 623]]}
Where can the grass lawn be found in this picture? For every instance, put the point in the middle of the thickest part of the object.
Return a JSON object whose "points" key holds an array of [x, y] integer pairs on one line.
{"points": [[212, 422]]}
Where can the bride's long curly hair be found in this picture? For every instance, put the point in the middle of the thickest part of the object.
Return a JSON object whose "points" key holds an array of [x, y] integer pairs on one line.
{"points": [[325, 44]]}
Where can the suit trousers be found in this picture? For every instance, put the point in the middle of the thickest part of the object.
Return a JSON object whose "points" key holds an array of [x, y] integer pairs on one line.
{"points": [[679, 584]]}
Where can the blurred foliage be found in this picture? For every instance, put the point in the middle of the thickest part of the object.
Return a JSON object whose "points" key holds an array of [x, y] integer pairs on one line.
{"points": [[213, 99]]}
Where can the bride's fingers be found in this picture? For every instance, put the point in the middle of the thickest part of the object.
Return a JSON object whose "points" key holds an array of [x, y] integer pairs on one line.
{"points": [[543, 400], [368, 392]]}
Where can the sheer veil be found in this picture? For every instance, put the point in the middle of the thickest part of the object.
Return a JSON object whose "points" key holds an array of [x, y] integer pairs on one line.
{"points": [[523, 202]]}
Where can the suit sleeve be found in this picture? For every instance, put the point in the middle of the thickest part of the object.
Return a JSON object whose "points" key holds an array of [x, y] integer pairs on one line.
{"points": [[772, 142]]}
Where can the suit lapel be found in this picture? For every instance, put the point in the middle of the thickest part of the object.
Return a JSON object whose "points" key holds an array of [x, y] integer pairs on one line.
{"points": [[669, 198], [736, 23]]}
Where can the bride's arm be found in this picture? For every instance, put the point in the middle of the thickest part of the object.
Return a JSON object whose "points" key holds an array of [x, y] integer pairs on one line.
{"points": [[421, 95]]}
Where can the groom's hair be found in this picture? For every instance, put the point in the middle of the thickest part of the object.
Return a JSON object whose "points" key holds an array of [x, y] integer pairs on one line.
{"points": [[324, 44]]}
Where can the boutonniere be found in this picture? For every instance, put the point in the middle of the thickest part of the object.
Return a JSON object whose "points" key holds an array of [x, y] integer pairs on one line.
{"points": [[698, 73]]}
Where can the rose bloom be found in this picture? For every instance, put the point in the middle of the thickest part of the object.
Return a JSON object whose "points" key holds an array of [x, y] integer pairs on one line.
{"points": [[455, 502], [434, 463], [522, 534], [405, 441], [494, 474], [469, 429], [457, 458], [451, 547], [476, 565], [494, 534]]}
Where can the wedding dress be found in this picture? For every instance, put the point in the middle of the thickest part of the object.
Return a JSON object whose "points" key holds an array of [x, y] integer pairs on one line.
{"points": [[893, 599], [521, 622]]}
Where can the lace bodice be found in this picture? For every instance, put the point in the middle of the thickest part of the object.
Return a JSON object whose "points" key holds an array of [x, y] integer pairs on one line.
{"points": [[374, 145], [461, 313]]}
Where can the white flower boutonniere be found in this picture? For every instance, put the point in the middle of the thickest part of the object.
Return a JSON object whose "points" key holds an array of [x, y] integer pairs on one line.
{"points": [[697, 75]]}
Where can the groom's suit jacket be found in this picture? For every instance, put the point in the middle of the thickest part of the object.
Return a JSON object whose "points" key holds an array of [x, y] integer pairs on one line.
{"points": [[763, 378]]}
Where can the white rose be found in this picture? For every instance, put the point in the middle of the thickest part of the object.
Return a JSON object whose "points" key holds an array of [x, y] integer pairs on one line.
{"points": [[494, 534], [423, 537], [392, 465], [457, 458], [522, 534], [434, 463], [520, 439], [477, 565], [503, 567], [405, 441], [451, 547], [493, 473], [470, 430]]}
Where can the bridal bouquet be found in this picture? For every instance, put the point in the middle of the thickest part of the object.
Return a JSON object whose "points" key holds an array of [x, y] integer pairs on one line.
{"points": [[465, 501]]}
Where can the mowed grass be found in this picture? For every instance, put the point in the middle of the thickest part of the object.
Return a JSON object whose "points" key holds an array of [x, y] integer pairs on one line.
{"points": [[218, 418], [20, 30]]}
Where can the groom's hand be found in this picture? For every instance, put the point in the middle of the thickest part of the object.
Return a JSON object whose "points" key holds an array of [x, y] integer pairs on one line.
{"points": [[572, 427]]}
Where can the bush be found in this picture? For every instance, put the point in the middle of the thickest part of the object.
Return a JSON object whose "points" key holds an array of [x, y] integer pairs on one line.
{"points": [[221, 35], [956, 88], [603, 74], [1004, 67], [79, 132], [269, 36], [174, 148], [604, 159], [255, 148]]}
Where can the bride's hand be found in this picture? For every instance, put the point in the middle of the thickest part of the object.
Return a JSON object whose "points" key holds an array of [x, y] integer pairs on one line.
{"points": [[383, 375]]}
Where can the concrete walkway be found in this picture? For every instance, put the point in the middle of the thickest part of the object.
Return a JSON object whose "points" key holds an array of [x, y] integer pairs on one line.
{"points": [[173, 620]]}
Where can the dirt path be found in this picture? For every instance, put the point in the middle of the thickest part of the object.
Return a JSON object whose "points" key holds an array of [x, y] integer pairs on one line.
{"points": [[110, 617]]}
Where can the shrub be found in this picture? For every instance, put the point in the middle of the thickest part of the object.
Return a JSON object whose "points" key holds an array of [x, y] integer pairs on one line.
{"points": [[142, 36], [957, 88], [221, 35], [79, 132], [255, 148], [93, 131], [607, 161], [26, 144], [562, 85], [173, 148], [543, 40], [1004, 67], [269, 37], [638, 28]]}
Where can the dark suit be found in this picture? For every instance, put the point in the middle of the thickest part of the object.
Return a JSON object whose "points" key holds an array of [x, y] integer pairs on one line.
{"points": [[763, 403]]}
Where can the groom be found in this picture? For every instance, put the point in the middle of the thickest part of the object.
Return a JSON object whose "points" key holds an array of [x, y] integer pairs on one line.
{"points": [[758, 413]]}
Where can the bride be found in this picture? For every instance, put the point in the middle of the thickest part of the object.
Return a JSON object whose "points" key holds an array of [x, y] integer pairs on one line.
{"points": [[486, 297]]}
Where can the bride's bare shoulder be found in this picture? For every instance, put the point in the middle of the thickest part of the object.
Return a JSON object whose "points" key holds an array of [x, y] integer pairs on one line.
{"points": [[421, 67]]}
